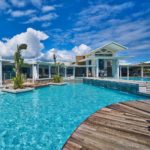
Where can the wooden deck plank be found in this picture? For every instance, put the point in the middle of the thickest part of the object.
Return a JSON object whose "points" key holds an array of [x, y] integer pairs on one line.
{"points": [[120, 126], [128, 109], [140, 106]]}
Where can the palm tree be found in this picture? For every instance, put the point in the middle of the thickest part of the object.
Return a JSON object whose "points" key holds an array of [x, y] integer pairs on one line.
{"points": [[18, 81], [54, 58]]}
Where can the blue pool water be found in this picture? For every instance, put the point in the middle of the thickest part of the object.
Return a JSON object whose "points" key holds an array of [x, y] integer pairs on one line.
{"points": [[137, 79], [45, 118]]}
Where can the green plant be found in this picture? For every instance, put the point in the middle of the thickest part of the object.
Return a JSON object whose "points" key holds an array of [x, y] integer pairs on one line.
{"points": [[57, 79], [18, 79], [18, 82]]}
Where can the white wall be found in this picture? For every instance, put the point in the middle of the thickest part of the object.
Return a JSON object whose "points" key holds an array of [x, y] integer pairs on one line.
{"points": [[115, 68], [35, 72]]}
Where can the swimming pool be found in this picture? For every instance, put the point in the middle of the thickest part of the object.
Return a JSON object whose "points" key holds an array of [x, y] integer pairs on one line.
{"points": [[45, 118], [137, 79]]}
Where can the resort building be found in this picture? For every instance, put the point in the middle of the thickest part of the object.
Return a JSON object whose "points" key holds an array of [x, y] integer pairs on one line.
{"points": [[101, 62], [135, 70]]}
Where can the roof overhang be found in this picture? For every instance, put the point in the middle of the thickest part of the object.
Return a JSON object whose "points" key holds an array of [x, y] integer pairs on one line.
{"points": [[108, 58], [80, 66], [112, 46]]}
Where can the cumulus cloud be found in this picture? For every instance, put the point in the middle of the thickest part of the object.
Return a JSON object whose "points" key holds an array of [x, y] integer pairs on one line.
{"points": [[81, 50], [61, 55], [31, 37], [65, 55]]}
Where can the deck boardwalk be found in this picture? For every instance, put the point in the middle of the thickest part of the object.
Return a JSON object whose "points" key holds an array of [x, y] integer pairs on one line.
{"points": [[123, 126]]}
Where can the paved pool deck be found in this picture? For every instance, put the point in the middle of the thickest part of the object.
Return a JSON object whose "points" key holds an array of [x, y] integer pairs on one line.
{"points": [[122, 126]]}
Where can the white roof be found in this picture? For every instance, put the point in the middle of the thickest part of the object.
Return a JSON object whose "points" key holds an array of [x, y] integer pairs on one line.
{"points": [[26, 61], [104, 57], [112, 46]]}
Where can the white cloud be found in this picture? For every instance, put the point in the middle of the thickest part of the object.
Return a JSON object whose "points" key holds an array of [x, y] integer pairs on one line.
{"points": [[47, 8], [65, 55], [43, 14], [3, 5], [47, 17], [31, 37], [46, 24], [95, 13], [37, 3], [23, 3], [81, 49], [61, 55], [19, 13], [18, 3]]}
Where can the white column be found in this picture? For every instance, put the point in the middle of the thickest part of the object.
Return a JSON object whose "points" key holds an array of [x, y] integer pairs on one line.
{"points": [[142, 74], [65, 72], [93, 68], [35, 72], [1, 79], [115, 68], [120, 71], [87, 69], [97, 68], [49, 71], [128, 72], [74, 72]]}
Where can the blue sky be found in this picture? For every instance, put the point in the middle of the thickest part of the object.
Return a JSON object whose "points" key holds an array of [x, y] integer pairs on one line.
{"points": [[73, 27]]}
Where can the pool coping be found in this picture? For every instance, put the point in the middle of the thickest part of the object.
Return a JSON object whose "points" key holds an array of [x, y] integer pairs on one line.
{"points": [[16, 91], [58, 84], [28, 89]]}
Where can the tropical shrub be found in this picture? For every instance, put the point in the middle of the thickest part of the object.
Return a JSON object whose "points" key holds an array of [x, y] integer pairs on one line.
{"points": [[57, 79], [18, 79], [18, 82]]}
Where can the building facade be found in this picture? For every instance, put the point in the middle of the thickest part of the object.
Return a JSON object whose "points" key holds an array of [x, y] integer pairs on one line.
{"points": [[102, 62]]}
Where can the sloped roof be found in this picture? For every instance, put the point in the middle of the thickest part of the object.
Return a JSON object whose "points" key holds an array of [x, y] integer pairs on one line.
{"points": [[112, 46]]}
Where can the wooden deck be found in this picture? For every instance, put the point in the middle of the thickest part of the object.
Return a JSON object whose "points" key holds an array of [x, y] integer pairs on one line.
{"points": [[123, 126]]}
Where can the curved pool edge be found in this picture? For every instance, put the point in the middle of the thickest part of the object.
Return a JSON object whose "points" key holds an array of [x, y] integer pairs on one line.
{"points": [[140, 109]]}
